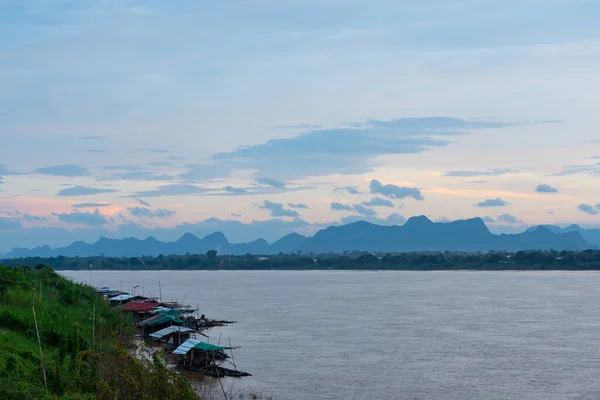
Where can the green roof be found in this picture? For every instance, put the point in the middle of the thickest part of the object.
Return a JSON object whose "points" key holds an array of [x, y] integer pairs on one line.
{"points": [[209, 347], [164, 319]]}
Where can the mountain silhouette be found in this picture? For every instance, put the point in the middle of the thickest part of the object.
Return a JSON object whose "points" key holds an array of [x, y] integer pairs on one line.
{"points": [[417, 234], [592, 236]]}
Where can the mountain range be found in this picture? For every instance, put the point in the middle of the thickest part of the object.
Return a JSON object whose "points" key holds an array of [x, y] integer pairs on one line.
{"points": [[417, 234]]}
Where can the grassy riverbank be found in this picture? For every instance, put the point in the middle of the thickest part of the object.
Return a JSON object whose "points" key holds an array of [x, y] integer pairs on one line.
{"points": [[82, 342]]}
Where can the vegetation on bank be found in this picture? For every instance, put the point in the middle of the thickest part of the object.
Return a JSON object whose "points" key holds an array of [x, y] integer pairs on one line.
{"points": [[82, 343], [523, 260]]}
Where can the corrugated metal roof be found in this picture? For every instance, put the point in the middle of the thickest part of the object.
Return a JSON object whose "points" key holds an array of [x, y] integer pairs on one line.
{"points": [[167, 331], [140, 306], [186, 347], [161, 310], [123, 297], [196, 344]]}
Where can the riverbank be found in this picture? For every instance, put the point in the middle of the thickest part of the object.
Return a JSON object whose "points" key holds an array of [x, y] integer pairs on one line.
{"points": [[58, 339]]}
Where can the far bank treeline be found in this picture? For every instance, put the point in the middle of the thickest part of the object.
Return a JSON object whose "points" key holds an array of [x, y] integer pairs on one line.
{"points": [[522, 260]]}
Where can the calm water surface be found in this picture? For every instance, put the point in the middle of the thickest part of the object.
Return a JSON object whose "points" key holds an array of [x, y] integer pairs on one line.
{"points": [[397, 335]]}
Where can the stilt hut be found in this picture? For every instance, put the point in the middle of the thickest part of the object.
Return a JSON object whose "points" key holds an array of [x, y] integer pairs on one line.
{"points": [[172, 336]]}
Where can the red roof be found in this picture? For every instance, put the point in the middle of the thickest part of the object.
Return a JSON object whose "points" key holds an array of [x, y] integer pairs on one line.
{"points": [[140, 306]]}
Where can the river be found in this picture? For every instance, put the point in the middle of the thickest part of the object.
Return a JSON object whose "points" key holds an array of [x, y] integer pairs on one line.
{"points": [[396, 335]]}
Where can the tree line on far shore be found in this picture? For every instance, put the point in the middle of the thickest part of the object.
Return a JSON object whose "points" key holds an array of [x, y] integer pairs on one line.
{"points": [[522, 260]]}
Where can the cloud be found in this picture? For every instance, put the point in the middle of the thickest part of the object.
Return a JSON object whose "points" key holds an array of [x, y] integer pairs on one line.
{"points": [[487, 172], [90, 205], [83, 191], [277, 210], [348, 151], [121, 167], [33, 218], [9, 223], [589, 169], [236, 215], [152, 150], [348, 189], [94, 137], [141, 176], [488, 219], [299, 206], [497, 202], [159, 164], [175, 158], [200, 172], [70, 170], [5, 171], [359, 208], [231, 189], [96, 151], [340, 207], [476, 182], [172, 190], [394, 191], [378, 202], [298, 126], [144, 203], [510, 219], [94, 219], [143, 212], [545, 189], [589, 209], [271, 182]]}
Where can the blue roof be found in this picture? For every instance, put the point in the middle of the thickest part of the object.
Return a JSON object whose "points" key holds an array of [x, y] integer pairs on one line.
{"points": [[169, 330]]}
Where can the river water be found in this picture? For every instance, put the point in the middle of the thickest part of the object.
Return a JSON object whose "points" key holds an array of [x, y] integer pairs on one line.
{"points": [[396, 335]]}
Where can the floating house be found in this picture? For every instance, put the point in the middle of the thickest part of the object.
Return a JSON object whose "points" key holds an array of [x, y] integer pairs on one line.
{"points": [[202, 357], [124, 298], [172, 336], [159, 322], [141, 309]]}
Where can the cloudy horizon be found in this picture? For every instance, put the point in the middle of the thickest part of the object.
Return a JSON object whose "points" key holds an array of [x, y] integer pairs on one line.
{"points": [[121, 119]]}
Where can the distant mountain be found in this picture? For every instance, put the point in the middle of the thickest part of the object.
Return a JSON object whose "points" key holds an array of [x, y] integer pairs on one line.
{"points": [[288, 244], [591, 236], [421, 234], [417, 234]]}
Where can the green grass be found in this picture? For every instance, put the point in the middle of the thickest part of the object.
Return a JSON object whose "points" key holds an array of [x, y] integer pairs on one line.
{"points": [[81, 339]]}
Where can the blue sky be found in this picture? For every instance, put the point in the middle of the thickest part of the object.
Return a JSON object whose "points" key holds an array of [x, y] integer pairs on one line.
{"points": [[128, 118]]}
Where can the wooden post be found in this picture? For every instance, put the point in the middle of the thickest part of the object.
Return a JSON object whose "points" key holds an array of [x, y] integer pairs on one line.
{"points": [[218, 376], [41, 352], [232, 357]]}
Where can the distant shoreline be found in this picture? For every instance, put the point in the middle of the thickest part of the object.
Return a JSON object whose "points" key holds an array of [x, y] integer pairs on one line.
{"points": [[588, 260], [342, 270]]}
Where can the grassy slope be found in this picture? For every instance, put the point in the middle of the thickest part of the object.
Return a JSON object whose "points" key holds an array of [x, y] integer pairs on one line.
{"points": [[77, 366]]}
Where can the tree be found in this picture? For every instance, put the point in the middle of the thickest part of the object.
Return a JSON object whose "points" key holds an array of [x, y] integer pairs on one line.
{"points": [[212, 255]]}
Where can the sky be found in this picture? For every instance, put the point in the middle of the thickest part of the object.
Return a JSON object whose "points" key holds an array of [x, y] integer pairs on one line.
{"points": [[258, 118]]}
